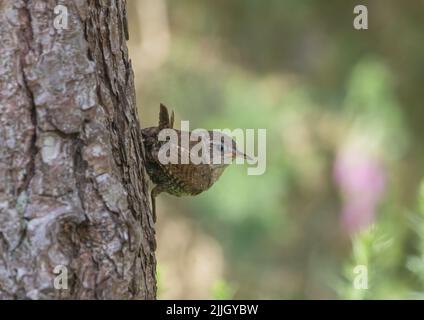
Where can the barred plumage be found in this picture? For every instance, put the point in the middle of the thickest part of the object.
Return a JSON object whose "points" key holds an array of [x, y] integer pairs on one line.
{"points": [[182, 179]]}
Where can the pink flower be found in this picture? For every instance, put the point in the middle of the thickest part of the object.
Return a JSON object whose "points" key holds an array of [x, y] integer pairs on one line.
{"points": [[361, 180]]}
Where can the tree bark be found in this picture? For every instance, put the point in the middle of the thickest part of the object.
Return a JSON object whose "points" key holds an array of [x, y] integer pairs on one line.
{"points": [[73, 189]]}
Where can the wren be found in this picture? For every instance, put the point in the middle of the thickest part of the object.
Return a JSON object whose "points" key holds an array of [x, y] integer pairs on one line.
{"points": [[184, 179]]}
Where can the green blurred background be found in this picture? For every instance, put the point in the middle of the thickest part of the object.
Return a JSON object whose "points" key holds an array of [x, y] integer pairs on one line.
{"points": [[344, 117]]}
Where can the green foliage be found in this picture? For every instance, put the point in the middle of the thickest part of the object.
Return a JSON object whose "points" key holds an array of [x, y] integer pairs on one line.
{"points": [[421, 201], [416, 263], [369, 249], [222, 290], [299, 70], [382, 250]]}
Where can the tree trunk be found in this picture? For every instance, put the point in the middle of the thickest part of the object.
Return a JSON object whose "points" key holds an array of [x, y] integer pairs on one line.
{"points": [[73, 192]]}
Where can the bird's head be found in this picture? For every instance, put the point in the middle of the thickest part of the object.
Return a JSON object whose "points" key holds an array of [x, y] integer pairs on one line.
{"points": [[223, 149]]}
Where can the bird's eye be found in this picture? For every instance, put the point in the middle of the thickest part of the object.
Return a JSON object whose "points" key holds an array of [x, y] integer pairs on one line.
{"points": [[222, 147]]}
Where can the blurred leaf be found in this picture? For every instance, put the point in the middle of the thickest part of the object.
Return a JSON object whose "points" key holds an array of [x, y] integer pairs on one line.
{"points": [[222, 290]]}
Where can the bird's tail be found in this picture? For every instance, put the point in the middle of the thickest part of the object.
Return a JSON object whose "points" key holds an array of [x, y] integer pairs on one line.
{"points": [[164, 120]]}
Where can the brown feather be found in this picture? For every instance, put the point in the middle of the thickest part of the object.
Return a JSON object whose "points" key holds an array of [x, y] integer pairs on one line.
{"points": [[176, 179]]}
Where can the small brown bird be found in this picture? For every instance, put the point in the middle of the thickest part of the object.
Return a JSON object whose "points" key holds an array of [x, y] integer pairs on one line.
{"points": [[181, 179]]}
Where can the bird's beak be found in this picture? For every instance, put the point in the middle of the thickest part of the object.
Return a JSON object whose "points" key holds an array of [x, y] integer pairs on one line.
{"points": [[238, 153]]}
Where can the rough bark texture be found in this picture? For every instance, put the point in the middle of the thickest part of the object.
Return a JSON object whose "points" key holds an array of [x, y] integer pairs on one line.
{"points": [[72, 184]]}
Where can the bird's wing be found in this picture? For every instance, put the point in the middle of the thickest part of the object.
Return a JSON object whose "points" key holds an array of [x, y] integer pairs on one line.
{"points": [[196, 177]]}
